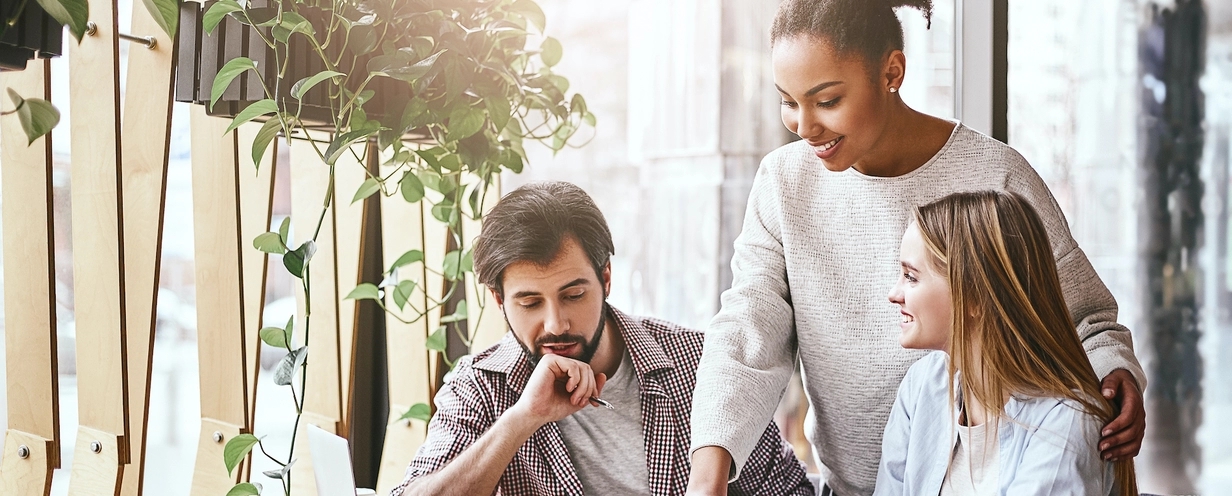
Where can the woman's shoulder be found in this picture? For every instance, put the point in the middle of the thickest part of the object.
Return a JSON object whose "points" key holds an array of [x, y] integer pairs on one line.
{"points": [[971, 146], [790, 157], [930, 372]]}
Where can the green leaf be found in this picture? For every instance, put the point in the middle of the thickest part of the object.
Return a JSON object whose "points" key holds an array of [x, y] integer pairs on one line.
{"points": [[257, 109], [290, 328], [269, 242], [452, 265], [551, 51], [265, 136], [430, 158], [436, 342], [464, 122], [245, 489], [407, 258], [589, 119], [296, 259], [445, 212], [402, 293], [37, 116], [232, 69], [418, 411], [273, 336], [498, 111], [468, 262], [289, 364], [284, 229], [531, 11], [302, 86], [408, 73], [220, 10], [296, 23], [72, 13], [412, 187], [370, 186], [341, 142], [365, 291], [280, 473], [166, 13], [236, 449]]}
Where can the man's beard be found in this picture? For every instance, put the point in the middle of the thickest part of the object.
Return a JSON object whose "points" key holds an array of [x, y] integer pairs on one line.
{"points": [[588, 348]]}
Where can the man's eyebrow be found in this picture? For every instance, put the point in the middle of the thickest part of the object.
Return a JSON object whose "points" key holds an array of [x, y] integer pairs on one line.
{"points": [[576, 282], [814, 90]]}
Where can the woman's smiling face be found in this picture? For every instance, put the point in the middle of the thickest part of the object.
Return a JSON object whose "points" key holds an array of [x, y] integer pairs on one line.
{"points": [[923, 296], [830, 100]]}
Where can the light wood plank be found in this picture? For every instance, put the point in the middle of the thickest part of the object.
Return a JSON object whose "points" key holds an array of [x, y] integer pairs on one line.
{"points": [[256, 206], [484, 321], [29, 270], [146, 139], [98, 260], [309, 185], [350, 174], [323, 398], [96, 472], [402, 227], [210, 474], [29, 475], [221, 333]]}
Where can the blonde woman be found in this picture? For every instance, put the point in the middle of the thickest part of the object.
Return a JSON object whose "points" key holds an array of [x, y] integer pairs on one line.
{"points": [[1009, 397]]}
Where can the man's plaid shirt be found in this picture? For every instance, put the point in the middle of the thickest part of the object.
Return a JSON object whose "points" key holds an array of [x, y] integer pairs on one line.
{"points": [[665, 356]]}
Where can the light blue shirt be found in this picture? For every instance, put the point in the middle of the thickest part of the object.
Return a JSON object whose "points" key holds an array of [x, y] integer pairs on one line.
{"points": [[1048, 446]]}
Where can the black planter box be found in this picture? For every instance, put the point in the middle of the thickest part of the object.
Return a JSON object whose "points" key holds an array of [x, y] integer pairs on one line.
{"points": [[36, 35]]}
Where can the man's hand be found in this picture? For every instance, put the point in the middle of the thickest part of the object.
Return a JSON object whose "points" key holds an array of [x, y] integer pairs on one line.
{"points": [[708, 476], [558, 388], [1122, 438]]}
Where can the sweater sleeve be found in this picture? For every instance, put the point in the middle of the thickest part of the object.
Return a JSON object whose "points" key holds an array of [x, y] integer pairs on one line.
{"points": [[750, 344], [1109, 345]]}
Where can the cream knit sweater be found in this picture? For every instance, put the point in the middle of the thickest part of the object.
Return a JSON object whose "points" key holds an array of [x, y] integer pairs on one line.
{"points": [[812, 267]]}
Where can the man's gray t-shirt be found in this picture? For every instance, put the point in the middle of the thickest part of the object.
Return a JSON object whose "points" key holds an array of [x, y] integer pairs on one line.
{"points": [[607, 447]]}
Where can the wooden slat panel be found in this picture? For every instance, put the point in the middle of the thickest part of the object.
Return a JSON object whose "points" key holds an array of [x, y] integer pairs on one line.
{"points": [[402, 227], [98, 259], [323, 399], [29, 271], [221, 335], [96, 472], [30, 475], [484, 320], [349, 175], [146, 137]]}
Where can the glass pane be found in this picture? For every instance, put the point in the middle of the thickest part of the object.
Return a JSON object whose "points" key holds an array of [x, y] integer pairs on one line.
{"points": [[929, 84]]}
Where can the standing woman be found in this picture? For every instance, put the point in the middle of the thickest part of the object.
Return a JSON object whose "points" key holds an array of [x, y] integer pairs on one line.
{"points": [[818, 254]]}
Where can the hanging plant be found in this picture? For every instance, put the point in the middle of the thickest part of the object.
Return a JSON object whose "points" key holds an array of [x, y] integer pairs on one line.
{"points": [[445, 91]]}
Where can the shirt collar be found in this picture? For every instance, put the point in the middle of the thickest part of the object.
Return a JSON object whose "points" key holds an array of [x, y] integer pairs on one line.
{"points": [[510, 359]]}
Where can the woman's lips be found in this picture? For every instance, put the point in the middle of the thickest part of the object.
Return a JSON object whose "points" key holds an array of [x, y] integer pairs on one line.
{"points": [[828, 149]]}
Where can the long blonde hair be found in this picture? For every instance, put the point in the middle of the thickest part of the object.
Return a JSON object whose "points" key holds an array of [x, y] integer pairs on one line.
{"points": [[1008, 302]]}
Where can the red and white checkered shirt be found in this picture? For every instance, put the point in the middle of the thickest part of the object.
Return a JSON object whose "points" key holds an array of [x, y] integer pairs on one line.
{"points": [[481, 387]]}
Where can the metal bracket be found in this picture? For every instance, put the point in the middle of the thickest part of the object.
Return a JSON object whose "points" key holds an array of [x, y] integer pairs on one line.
{"points": [[149, 41]]}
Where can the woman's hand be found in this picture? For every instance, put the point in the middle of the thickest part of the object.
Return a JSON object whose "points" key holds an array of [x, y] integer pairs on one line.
{"points": [[1122, 438]]}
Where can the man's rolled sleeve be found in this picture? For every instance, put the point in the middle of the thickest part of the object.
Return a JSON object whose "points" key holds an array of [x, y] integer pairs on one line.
{"points": [[460, 419]]}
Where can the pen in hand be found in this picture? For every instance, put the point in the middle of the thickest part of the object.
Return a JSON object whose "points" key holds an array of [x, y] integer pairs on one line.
{"points": [[601, 402]]}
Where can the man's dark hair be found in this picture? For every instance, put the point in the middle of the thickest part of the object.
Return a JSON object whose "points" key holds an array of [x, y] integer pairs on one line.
{"points": [[867, 28], [530, 224]]}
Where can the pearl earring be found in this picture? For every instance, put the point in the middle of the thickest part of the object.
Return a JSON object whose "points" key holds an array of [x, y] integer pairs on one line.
{"points": [[893, 90]]}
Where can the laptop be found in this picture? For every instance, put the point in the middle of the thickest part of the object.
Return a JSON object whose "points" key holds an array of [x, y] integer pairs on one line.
{"points": [[331, 464]]}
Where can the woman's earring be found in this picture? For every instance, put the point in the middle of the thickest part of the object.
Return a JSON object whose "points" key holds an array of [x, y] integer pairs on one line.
{"points": [[893, 90]]}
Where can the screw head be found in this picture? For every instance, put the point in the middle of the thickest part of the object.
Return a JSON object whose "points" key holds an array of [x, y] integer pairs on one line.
{"points": [[96, 447], [217, 437], [23, 451], [91, 28]]}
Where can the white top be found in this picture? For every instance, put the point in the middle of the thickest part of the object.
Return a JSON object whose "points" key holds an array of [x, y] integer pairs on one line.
{"points": [[608, 447], [974, 466], [812, 267]]}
